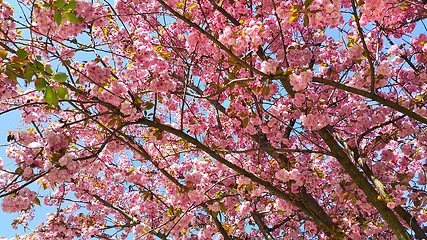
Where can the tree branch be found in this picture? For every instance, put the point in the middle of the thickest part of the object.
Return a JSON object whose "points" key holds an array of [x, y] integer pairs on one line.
{"points": [[374, 97], [372, 195], [329, 227]]}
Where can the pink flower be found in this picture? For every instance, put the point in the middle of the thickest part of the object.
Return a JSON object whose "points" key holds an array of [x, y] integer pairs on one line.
{"points": [[300, 82], [391, 205], [299, 99], [282, 175], [355, 52], [195, 196], [158, 85], [394, 50], [192, 41], [244, 208], [397, 60], [215, 207], [127, 108], [21, 201], [269, 66], [315, 122], [297, 82]]}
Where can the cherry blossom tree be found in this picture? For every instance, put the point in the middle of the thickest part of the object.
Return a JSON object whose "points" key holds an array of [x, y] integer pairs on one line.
{"points": [[235, 119]]}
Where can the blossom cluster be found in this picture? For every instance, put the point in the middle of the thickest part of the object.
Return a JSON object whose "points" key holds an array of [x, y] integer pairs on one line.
{"points": [[197, 119], [19, 201]]}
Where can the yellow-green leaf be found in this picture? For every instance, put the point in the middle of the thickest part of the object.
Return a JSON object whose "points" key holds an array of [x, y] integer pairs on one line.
{"points": [[70, 6], [3, 54], [165, 55], [306, 20], [71, 17], [40, 84], [19, 171], [180, 5], [62, 92], [59, 3], [294, 16], [266, 90], [148, 105], [18, 60], [58, 17], [36, 201], [50, 96], [11, 74], [307, 3], [21, 53], [245, 122], [232, 86], [60, 77]]}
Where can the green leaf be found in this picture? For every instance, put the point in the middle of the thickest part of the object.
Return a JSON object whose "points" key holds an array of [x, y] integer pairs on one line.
{"points": [[29, 73], [222, 207], [60, 77], [50, 96], [18, 69], [232, 86], [58, 18], [39, 65], [48, 69], [71, 17], [60, 3], [19, 171], [36, 201], [293, 17], [62, 92], [148, 105], [70, 6], [3, 54], [307, 3], [245, 122], [11, 74], [306, 20], [40, 84], [266, 90], [319, 173], [21, 53]]}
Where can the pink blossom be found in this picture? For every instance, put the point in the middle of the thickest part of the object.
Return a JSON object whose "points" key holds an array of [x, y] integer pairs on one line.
{"points": [[391, 205], [244, 208], [269, 66], [21, 201], [215, 207], [315, 122], [355, 52], [397, 60], [162, 86], [300, 82]]}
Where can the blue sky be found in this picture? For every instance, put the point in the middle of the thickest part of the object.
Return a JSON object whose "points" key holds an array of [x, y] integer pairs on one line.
{"points": [[8, 121]]}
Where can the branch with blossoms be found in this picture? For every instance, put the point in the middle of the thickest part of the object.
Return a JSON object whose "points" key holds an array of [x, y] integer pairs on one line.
{"points": [[201, 120]]}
